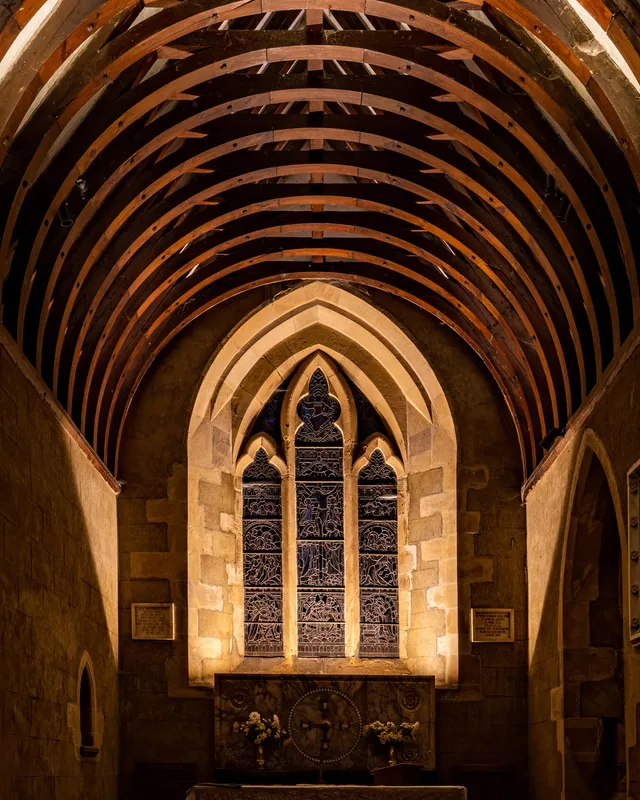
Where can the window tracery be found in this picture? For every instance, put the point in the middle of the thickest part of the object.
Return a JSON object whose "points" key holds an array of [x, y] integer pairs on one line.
{"points": [[310, 606]]}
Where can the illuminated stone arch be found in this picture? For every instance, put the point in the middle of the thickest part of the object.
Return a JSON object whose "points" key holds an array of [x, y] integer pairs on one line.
{"points": [[355, 345]]}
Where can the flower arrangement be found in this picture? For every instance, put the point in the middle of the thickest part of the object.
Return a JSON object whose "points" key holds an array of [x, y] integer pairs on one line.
{"points": [[258, 729], [391, 734]]}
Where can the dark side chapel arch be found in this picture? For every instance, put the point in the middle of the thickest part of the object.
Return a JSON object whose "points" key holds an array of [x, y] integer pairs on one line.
{"points": [[593, 642]]}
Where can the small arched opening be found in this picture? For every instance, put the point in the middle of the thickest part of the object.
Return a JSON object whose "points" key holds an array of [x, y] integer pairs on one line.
{"points": [[87, 714]]}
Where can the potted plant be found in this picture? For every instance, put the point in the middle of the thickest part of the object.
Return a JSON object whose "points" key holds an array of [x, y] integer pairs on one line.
{"points": [[259, 729]]}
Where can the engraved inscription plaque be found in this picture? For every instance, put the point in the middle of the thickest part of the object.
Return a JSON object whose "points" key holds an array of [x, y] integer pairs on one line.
{"points": [[153, 621], [492, 625]]}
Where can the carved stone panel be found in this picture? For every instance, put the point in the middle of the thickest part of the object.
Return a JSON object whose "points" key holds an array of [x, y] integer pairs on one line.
{"points": [[324, 715]]}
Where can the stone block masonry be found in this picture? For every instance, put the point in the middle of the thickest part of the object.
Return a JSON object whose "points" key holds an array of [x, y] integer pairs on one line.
{"points": [[58, 594]]}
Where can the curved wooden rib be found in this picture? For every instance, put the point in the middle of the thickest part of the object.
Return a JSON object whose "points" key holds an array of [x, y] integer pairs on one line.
{"points": [[141, 346], [422, 68], [96, 305]]}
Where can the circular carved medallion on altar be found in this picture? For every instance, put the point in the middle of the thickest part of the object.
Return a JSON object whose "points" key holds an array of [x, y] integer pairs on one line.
{"points": [[240, 698], [325, 725], [410, 700]]}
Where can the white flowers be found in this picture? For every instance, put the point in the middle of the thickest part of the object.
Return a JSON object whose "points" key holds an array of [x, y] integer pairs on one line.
{"points": [[258, 728], [389, 732]]}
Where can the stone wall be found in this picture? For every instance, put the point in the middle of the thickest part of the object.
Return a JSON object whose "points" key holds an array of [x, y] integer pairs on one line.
{"points": [[482, 724], [609, 426], [58, 596], [481, 728], [166, 726]]}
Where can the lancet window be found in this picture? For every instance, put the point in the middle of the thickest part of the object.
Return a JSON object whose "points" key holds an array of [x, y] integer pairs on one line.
{"points": [[378, 562], [296, 586], [262, 551], [319, 456]]}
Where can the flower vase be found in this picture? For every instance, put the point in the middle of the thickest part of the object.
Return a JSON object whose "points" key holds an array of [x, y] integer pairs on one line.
{"points": [[392, 756], [260, 757]]}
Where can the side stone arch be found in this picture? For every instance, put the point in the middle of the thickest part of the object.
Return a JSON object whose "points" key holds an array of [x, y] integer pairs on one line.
{"points": [[593, 625]]}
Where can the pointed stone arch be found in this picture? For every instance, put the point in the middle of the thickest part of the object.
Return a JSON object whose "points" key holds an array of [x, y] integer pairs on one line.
{"points": [[593, 623], [84, 717], [355, 344]]}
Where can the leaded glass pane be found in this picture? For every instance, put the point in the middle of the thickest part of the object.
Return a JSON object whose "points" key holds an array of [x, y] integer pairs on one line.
{"points": [[320, 640], [318, 412], [378, 570], [262, 549], [379, 641], [261, 470], [262, 501], [319, 463], [262, 569], [377, 608], [262, 535], [377, 502], [378, 536], [377, 471], [263, 605], [321, 606], [262, 639], [320, 510], [320, 564], [320, 523], [378, 567]]}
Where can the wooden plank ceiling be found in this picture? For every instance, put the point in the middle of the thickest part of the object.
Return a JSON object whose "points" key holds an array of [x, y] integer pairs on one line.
{"points": [[478, 159]]}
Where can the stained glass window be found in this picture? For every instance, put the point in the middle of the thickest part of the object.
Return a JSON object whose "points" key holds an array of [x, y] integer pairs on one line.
{"points": [[320, 523], [318, 483], [262, 548], [378, 567]]}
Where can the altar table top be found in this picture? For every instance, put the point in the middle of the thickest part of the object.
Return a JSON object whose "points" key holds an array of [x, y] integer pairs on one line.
{"points": [[325, 792]]}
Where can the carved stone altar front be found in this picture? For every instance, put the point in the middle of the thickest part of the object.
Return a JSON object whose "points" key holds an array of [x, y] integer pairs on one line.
{"points": [[324, 717], [212, 792]]}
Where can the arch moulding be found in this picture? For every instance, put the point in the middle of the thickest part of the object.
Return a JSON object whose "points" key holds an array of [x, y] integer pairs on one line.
{"points": [[322, 324]]}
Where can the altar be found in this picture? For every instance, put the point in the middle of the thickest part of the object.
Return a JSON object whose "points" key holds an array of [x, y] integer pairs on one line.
{"points": [[325, 718], [220, 792]]}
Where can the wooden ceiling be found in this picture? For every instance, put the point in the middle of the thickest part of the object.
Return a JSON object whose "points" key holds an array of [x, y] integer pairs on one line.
{"points": [[479, 159]]}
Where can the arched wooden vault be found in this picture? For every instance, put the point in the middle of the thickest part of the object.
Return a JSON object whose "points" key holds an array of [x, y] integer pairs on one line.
{"points": [[479, 159]]}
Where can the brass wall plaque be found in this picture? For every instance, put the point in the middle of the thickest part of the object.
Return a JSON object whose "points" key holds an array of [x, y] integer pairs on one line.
{"points": [[492, 625], [153, 621]]}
